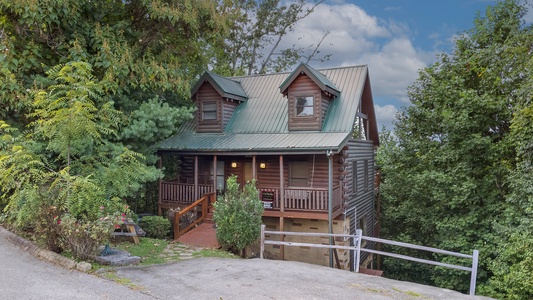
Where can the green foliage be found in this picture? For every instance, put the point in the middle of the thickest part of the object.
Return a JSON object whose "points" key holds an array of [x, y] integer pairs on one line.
{"points": [[156, 226], [68, 163], [238, 215], [104, 65], [456, 173]]}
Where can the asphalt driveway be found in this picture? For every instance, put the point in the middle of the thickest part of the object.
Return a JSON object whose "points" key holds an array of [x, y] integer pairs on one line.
{"points": [[23, 276], [217, 278]]}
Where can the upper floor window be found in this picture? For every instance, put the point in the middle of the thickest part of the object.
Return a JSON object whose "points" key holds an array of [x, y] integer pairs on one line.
{"points": [[304, 106], [209, 111]]}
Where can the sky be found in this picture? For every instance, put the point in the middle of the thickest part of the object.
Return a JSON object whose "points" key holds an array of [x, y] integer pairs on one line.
{"points": [[395, 38]]}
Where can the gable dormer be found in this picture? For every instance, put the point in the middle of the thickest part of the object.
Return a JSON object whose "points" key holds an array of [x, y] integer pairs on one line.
{"points": [[309, 94], [216, 98]]}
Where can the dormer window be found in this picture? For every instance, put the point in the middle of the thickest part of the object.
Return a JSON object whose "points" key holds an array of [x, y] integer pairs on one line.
{"points": [[309, 94], [209, 111], [304, 106], [216, 99]]}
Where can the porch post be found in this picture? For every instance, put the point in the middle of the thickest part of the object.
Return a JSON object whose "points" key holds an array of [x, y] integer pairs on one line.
{"points": [[329, 154], [160, 185], [215, 174], [281, 205], [254, 171], [195, 178]]}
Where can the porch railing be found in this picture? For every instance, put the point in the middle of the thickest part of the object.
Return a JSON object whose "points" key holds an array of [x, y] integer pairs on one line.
{"points": [[295, 198], [175, 192], [304, 198]]}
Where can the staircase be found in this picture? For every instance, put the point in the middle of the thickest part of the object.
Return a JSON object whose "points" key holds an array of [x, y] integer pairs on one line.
{"points": [[202, 236], [202, 232]]}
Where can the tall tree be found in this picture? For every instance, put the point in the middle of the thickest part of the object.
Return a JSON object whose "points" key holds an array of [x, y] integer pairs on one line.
{"points": [[68, 157], [143, 55], [447, 176], [257, 30], [139, 49]]}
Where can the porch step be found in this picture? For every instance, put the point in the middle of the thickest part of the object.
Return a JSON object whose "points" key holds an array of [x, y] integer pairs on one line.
{"points": [[209, 218]]}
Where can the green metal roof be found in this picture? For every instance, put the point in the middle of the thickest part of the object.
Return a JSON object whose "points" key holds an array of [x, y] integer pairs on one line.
{"points": [[226, 87], [301, 142], [260, 124], [322, 81]]}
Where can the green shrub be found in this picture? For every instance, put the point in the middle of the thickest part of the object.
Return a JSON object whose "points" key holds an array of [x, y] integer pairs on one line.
{"points": [[155, 226], [238, 216]]}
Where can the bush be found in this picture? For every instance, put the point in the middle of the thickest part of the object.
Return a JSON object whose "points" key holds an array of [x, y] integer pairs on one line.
{"points": [[238, 216], [156, 227], [82, 238]]}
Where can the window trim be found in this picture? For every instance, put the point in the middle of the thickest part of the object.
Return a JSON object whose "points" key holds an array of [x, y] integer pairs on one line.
{"points": [[304, 106], [204, 111]]}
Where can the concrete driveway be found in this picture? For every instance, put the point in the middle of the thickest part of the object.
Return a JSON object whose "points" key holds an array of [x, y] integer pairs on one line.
{"points": [[23, 276]]}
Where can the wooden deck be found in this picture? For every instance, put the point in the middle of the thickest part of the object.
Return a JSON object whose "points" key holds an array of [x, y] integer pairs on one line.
{"points": [[202, 236]]}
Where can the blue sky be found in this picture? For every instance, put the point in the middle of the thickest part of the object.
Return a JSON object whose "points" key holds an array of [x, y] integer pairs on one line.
{"points": [[395, 38]]}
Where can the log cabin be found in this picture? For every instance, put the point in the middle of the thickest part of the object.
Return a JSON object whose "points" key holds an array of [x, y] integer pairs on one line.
{"points": [[307, 137]]}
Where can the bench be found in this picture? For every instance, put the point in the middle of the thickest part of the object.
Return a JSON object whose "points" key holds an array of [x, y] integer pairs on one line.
{"points": [[131, 231]]}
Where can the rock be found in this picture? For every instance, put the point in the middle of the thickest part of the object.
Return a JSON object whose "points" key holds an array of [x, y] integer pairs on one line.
{"points": [[118, 258], [84, 266]]}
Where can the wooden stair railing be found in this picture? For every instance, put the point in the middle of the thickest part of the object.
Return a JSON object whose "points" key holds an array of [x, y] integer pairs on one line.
{"points": [[206, 203]]}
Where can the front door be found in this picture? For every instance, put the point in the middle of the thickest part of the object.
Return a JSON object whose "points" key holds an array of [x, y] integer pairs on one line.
{"points": [[248, 173]]}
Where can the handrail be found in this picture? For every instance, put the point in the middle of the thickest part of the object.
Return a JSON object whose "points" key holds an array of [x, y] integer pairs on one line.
{"points": [[178, 214], [472, 270], [358, 237]]}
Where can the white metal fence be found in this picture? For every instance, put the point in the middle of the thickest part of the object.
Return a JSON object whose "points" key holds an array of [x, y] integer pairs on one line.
{"points": [[358, 237]]}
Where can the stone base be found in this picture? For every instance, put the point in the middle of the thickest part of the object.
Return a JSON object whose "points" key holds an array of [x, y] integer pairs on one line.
{"points": [[118, 258]]}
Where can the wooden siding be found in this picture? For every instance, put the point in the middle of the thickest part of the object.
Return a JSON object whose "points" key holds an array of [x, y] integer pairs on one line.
{"points": [[186, 170], [362, 198], [206, 93], [317, 164], [304, 86], [228, 108], [325, 100]]}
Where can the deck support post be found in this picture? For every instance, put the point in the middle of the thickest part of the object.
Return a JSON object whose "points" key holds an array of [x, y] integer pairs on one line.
{"points": [[329, 155]]}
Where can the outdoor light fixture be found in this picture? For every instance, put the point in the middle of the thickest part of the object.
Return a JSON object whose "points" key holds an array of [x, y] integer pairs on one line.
{"points": [[262, 165], [234, 164]]}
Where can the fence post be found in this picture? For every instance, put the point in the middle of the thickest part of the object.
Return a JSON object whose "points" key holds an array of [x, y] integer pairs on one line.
{"points": [[358, 234], [262, 240], [475, 257]]}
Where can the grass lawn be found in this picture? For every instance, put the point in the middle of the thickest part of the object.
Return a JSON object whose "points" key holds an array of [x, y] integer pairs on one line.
{"points": [[156, 251]]}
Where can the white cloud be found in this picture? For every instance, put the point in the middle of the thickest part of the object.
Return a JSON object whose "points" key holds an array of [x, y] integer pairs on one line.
{"points": [[358, 38], [385, 115], [394, 68]]}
